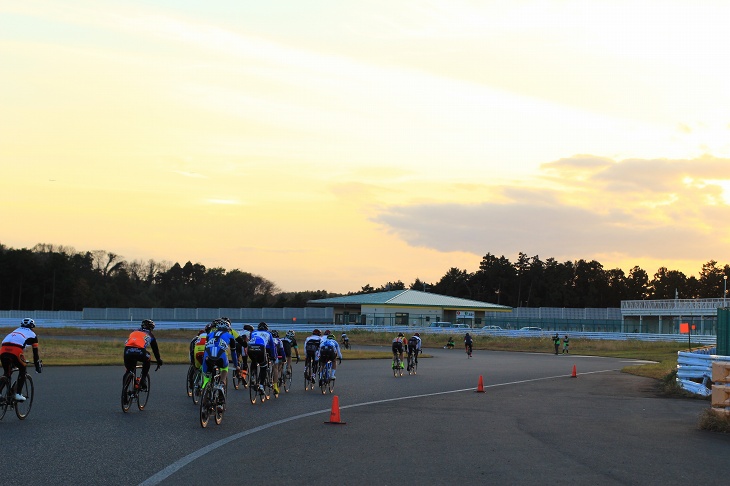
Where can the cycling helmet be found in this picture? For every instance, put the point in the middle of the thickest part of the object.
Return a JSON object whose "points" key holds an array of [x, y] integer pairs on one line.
{"points": [[248, 327], [227, 319], [275, 333], [317, 332], [290, 334], [28, 322], [400, 334], [263, 326], [331, 336], [222, 325], [148, 324], [327, 332], [417, 335]]}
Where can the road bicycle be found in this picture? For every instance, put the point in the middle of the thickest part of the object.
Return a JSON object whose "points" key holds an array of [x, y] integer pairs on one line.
{"points": [[346, 344], [310, 371], [197, 388], [397, 365], [285, 377], [413, 363], [254, 393], [239, 378], [468, 350], [7, 394], [134, 389], [213, 400], [326, 381], [193, 381]]}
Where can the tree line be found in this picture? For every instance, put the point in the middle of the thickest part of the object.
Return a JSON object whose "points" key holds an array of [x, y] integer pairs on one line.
{"points": [[48, 277]]}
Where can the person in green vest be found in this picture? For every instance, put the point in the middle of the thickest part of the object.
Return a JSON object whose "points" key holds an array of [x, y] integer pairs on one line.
{"points": [[566, 343], [556, 342]]}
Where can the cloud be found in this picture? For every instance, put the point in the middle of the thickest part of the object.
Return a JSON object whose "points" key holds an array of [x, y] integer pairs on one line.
{"points": [[658, 209]]}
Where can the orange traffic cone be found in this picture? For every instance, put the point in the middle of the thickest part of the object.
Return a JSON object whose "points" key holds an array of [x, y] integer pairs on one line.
{"points": [[480, 386], [335, 412], [574, 375]]}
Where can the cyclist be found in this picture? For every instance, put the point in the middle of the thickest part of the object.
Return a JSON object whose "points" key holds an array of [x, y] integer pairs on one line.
{"points": [[11, 353], [397, 348], [450, 343], [261, 349], [219, 340], [414, 346], [345, 340], [311, 346], [280, 356], [468, 342], [240, 344], [290, 342], [197, 350], [135, 349], [329, 349], [246, 335]]}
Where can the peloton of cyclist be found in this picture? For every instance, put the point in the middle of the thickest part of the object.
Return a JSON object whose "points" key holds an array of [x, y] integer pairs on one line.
{"points": [[135, 349], [11, 353], [261, 349], [220, 339], [311, 346], [414, 346], [397, 348], [329, 349]]}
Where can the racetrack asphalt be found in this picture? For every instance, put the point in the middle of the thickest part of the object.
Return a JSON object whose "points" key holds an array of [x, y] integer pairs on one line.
{"points": [[533, 424]]}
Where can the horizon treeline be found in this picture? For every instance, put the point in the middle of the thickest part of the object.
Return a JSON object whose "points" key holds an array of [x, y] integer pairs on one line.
{"points": [[49, 277]]}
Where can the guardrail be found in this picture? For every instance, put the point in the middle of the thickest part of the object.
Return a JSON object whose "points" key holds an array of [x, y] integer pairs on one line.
{"points": [[694, 370], [307, 328]]}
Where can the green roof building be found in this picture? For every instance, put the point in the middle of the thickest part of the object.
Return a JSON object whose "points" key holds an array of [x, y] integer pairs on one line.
{"points": [[406, 308]]}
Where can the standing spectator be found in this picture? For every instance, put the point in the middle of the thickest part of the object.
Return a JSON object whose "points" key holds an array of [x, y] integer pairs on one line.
{"points": [[566, 343], [556, 342]]}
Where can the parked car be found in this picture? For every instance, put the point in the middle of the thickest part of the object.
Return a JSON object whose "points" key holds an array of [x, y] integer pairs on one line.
{"points": [[530, 329], [440, 324], [492, 328], [461, 326]]}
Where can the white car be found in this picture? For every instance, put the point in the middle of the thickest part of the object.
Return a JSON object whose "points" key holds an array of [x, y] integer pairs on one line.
{"points": [[492, 328], [530, 329]]}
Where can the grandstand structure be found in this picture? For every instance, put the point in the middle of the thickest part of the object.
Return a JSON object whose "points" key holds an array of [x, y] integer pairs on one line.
{"points": [[664, 316]]}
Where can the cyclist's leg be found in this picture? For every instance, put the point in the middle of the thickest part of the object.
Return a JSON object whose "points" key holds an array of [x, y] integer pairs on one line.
{"points": [[145, 366], [223, 366], [22, 370]]}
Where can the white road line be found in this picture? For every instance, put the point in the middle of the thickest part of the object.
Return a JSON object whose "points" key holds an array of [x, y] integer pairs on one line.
{"points": [[184, 461]]}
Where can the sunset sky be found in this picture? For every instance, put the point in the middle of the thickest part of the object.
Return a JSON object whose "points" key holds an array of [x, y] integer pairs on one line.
{"points": [[329, 145]]}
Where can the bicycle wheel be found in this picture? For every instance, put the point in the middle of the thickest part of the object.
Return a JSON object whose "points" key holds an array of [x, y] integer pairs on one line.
{"points": [[143, 394], [127, 391], [205, 402], [414, 366], [218, 406], [269, 383], [307, 379], [331, 383], [288, 375], [197, 385], [4, 398], [253, 385], [237, 379], [22, 409], [396, 367], [189, 380], [324, 378]]}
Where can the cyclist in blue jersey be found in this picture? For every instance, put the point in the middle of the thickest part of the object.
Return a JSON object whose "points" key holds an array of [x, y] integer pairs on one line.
{"points": [[261, 349], [219, 341], [329, 349]]}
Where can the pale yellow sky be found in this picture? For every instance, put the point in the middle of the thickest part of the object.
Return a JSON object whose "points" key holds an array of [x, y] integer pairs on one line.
{"points": [[329, 145]]}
